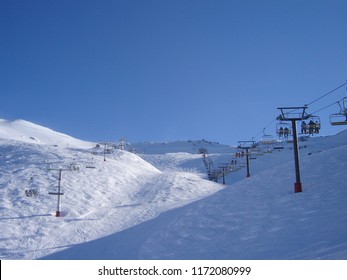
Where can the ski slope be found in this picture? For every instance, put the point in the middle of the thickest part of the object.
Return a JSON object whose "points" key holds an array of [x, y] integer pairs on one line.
{"points": [[100, 197], [159, 205]]}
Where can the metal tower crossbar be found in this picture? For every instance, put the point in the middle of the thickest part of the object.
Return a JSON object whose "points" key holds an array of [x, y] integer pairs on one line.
{"points": [[246, 144], [293, 113]]}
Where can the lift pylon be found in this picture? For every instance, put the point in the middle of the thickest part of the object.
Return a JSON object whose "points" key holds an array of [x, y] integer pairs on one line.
{"points": [[294, 114], [247, 145]]}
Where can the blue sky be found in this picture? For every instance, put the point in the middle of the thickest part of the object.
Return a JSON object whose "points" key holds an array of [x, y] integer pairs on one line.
{"points": [[161, 70]]}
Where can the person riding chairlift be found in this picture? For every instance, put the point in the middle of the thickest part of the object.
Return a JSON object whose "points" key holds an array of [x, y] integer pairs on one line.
{"points": [[281, 132], [312, 127], [317, 126], [303, 127]]}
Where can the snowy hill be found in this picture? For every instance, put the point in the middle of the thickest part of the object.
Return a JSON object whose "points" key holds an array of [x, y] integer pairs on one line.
{"points": [[100, 197], [158, 205], [256, 218], [24, 131]]}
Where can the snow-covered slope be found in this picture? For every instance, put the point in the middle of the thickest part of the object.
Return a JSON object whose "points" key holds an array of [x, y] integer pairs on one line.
{"points": [[156, 205], [100, 197], [28, 132], [256, 218], [189, 146]]}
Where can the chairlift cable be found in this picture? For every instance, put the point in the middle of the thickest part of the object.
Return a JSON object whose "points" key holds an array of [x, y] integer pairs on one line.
{"points": [[319, 98], [262, 132], [270, 123], [326, 106]]}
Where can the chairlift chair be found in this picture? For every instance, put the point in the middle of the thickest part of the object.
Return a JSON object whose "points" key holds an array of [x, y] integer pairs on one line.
{"points": [[341, 117], [257, 151], [90, 164], [283, 130], [311, 125], [54, 190], [267, 151], [267, 139], [338, 119], [278, 147]]}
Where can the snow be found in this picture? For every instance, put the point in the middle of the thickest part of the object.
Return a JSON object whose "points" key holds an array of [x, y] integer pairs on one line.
{"points": [[27, 132], [158, 204]]}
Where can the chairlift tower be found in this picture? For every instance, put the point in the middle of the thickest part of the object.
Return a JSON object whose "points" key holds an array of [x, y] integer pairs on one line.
{"points": [[223, 167], [294, 114], [58, 192], [247, 145], [122, 144], [107, 146]]}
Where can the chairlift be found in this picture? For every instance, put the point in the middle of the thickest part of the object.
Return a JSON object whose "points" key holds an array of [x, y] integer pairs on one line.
{"points": [[278, 148], [54, 190], [257, 151], [91, 164], [338, 119], [283, 130], [311, 125], [241, 163], [267, 139], [31, 192], [341, 117], [74, 167], [235, 169], [267, 151], [279, 145]]}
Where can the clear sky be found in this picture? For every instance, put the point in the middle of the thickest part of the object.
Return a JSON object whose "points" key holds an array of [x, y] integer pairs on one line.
{"points": [[161, 70]]}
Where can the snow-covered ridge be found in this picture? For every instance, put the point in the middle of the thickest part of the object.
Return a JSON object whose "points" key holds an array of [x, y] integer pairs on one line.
{"points": [[24, 131]]}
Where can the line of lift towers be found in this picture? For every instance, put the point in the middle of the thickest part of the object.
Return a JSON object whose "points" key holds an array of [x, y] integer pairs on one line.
{"points": [[286, 127]]}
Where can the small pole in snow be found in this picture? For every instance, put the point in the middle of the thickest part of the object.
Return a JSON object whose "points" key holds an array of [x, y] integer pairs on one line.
{"points": [[58, 192]]}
